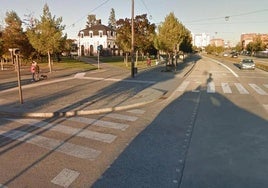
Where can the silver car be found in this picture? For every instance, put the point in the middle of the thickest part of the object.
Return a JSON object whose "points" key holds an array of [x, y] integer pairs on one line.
{"points": [[247, 64]]}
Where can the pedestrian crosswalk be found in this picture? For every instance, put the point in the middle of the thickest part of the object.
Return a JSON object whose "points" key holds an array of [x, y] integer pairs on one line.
{"points": [[81, 127], [225, 87]]}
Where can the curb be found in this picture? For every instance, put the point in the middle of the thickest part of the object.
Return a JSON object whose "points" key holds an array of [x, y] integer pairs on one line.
{"points": [[78, 112]]}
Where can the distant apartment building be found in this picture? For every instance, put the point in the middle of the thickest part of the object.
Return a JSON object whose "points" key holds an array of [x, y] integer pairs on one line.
{"points": [[246, 38], [201, 40], [217, 42]]}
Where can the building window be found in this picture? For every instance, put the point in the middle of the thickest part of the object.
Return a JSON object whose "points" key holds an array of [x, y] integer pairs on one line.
{"points": [[91, 34], [82, 35], [100, 34]]}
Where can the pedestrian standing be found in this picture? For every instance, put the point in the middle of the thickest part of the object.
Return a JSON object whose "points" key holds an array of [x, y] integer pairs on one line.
{"points": [[33, 71]]}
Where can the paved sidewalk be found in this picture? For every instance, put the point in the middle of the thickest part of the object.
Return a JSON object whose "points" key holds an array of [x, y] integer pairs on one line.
{"points": [[100, 91]]}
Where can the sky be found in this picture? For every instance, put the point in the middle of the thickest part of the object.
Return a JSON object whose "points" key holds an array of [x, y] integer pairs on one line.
{"points": [[226, 19]]}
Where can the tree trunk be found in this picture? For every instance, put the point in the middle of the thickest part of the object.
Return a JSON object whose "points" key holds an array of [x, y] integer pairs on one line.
{"points": [[126, 60], [49, 62]]}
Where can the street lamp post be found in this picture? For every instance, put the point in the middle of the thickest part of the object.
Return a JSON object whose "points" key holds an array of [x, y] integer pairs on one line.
{"points": [[132, 40]]}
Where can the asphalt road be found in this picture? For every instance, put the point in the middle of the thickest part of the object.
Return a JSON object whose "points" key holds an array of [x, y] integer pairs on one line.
{"points": [[210, 132], [213, 133]]}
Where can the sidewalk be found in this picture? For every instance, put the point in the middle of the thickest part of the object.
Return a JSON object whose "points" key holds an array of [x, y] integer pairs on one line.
{"points": [[108, 89]]}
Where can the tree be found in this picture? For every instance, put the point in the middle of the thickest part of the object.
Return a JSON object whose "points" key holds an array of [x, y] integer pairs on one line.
{"points": [[112, 20], [123, 37], [143, 34], [256, 45], [91, 20], [15, 37], [171, 35], [46, 35]]}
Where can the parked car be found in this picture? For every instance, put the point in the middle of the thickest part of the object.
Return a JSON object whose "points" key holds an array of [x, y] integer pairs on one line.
{"points": [[247, 64]]}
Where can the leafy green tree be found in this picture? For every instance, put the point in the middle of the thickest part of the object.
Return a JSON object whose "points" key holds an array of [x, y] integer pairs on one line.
{"points": [[256, 45], [171, 35], [112, 19], [144, 33], [91, 20], [46, 36], [15, 37], [123, 37]]}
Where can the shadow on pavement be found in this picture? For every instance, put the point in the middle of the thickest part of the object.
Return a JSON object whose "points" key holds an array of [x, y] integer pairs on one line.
{"points": [[199, 140]]}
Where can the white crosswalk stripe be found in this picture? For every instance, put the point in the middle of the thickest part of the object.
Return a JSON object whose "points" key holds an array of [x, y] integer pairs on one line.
{"points": [[258, 89], [52, 144], [241, 89], [70, 127], [122, 117], [108, 138], [100, 123], [227, 88]]}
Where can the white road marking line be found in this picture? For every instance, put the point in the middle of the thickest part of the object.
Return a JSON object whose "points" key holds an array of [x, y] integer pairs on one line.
{"points": [[107, 138], [122, 117], [53, 144], [225, 67], [240, 88], [226, 88], [183, 86], [136, 111], [65, 178], [258, 89], [100, 123], [211, 87]]}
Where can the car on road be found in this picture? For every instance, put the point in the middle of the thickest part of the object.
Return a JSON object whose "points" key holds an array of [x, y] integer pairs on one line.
{"points": [[247, 64]]}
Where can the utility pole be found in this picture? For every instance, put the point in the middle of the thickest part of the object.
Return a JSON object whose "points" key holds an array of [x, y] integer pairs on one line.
{"points": [[132, 40]]}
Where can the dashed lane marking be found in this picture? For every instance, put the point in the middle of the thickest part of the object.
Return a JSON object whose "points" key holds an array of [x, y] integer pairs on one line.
{"points": [[53, 144]]}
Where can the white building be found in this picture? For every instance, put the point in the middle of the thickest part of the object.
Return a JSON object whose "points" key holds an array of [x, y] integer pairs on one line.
{"points": [[97, 35], [201, 40]]}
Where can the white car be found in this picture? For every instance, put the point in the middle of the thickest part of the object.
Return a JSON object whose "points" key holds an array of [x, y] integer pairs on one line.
{"points": [[247, 64]]}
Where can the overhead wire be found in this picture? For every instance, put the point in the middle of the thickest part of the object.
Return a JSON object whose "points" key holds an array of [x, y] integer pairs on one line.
{"points": [[228, 16], [91, 11]]}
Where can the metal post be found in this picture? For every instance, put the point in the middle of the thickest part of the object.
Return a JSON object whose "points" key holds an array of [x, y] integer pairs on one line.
{"points": [[132, 40], [19, 79]]}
